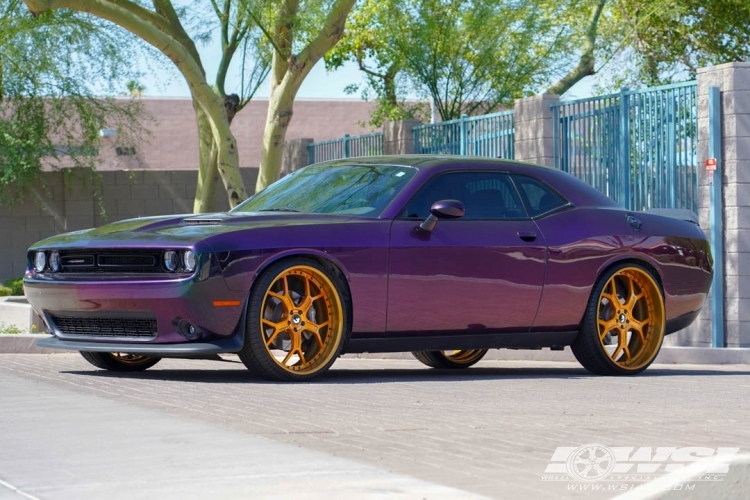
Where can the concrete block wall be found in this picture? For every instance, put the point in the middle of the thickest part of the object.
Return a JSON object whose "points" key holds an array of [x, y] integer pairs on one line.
{"points": [[398, 138], [733, 80], [68, 202], [533, 134]]}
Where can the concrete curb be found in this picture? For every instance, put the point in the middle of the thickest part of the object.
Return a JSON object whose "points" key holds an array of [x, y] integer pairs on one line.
{"points": [[668, 355], [26, 344]]}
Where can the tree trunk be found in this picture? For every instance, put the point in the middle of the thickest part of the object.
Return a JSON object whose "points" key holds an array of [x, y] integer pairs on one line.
{"points": [[208, 172], [288, 71], [280, 110]]}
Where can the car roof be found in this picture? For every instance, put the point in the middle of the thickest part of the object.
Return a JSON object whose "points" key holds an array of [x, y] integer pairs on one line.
{"points": [[572, 188], [429, 161]]}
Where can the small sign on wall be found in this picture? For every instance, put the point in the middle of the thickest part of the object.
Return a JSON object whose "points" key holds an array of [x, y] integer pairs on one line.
{"points": [[711, 168]]}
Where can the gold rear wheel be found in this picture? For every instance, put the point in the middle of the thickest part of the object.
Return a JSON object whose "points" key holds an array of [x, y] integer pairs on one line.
{"points": [[450, 359], [624, 325]]}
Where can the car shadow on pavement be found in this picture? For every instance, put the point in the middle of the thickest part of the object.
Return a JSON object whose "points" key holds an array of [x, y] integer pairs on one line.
{"points": [[393, 375]]}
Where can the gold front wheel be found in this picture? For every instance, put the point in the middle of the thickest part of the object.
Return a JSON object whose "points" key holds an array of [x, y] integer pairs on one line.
{"points": [[624, 325], [450, 359], [297, 321]]}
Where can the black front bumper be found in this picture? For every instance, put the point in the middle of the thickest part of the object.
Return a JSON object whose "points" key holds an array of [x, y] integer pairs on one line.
{"points": [[181, 350]]}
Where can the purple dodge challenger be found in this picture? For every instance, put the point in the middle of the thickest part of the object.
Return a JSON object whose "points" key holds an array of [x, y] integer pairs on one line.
{"points": [[442, 256]]}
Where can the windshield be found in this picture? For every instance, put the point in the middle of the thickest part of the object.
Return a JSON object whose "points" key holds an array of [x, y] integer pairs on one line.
{"points": [[364, 190]]}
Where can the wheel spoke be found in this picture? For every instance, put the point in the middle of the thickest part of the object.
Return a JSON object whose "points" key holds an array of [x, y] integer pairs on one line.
{"points": [[277, 329], [617, 351], [608, 327], [288, 356], [626, 350], [637, 326], [318, 338], [612, 299], [285, 299]]}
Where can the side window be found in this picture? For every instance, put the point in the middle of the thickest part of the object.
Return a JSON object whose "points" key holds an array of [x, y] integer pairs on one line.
{"points": [[486, 195], [538, 197]]}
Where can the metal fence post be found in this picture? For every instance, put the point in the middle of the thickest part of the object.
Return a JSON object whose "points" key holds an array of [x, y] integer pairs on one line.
{"points": [[464, 136], [346, 146], [310, 154], [625, 176], [671, 147], [555, 143], [716, 212]]}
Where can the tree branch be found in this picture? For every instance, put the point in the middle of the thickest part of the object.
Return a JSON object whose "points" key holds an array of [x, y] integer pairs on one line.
{"points": [[585, 66]]}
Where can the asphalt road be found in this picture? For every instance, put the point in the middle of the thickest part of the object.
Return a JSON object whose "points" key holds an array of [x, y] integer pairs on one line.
{"points": [[368, 429]]}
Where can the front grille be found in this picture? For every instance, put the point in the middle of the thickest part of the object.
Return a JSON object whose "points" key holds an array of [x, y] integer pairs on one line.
{"points": [[112, 261], [92, 326], [127, 260]]}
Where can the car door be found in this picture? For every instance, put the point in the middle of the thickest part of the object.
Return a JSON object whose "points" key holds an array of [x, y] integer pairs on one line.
{"points": [[482, 273]]}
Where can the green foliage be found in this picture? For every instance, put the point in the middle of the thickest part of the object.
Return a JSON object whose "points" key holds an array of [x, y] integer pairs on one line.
{"points": [[11, 329], [53, 68], [5, 291], [641, 43], [15, 286], [466, 56], [671, 39]]}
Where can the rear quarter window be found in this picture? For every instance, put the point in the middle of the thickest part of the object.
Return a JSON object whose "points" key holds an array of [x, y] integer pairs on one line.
{"points": [[537, 196]]}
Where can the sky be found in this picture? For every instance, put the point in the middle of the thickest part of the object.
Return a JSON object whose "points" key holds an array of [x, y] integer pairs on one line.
{"points": [[161, 80]]}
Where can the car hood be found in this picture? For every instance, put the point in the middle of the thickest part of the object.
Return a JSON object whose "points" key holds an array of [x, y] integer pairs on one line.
{"points": [[181, 230]]}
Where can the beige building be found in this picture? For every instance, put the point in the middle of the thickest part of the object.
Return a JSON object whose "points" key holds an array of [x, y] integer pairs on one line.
{"points": [[173, 144]]}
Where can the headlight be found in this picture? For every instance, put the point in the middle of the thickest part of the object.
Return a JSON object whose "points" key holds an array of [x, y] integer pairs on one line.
{"points": [[54, 261], [40, 261], [189, 260], [170, 260]]}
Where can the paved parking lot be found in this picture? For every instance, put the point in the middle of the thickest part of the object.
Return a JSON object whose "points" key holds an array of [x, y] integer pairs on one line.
{"points": [[375, 428]]}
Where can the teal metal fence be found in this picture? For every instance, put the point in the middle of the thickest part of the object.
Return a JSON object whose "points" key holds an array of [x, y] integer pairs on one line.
{"points": [[638, 147], [346, 147], [487, 135]]}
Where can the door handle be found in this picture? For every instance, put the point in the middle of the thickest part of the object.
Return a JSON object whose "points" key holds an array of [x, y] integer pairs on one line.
{"points": [[527, 235]]}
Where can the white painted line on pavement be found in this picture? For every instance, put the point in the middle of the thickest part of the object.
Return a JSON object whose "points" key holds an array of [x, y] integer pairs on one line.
{"points": [[659, 486], [16, 490]]}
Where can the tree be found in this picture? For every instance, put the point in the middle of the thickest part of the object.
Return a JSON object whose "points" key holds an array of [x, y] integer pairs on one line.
{"points": [[653, 42], [164, 28], [366, 43], [52, 70], [466, 56], [299, 39], [134, 88], [673, 41]]}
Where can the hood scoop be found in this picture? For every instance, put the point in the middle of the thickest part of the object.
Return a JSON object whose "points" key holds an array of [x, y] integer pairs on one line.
{"points": [[202, 222]]}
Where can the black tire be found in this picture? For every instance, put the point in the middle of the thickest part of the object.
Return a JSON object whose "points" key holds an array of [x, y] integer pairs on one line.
{"points": [[267, 306], [119, 362], [455, 360], [637, 323]]}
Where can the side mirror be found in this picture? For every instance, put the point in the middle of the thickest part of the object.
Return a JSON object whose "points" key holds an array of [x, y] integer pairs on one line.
{"points": [[443, 209]]}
